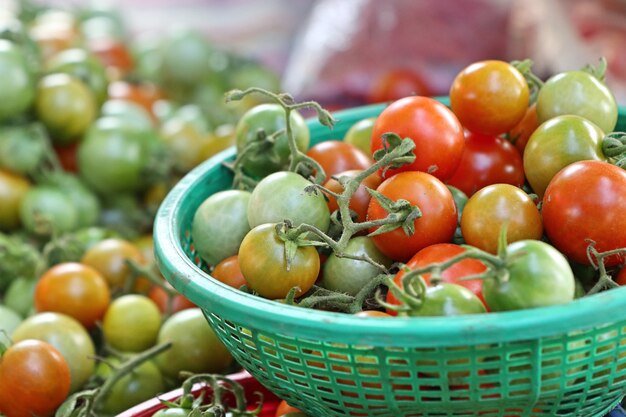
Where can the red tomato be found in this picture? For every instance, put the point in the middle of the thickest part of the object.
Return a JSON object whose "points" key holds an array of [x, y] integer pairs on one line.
{"points": [[437, 133], [113, 54], [34, 379], [586, 202], [67, 156], [228, 272], [143, 94], [440, 253], [336, 156], [161, 299], [621, 276], [487, 160], [520, 134], [398, 83], [360, 199], [489, 97], [436, 225]]}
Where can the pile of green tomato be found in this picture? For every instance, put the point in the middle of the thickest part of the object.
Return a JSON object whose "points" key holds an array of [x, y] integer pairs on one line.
{"points": [[95, 128]]}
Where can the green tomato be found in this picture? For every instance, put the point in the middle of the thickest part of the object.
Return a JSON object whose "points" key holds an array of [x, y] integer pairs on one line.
{"points": [[220, 224], [557, 143], [538, 276], [270, 118], [46, 209], [85, 201], [350, 275], [66, 106], [17, 90], [360, 134], [186, 57], [20, 295], [448, 299], [281, 196], [68, 336], [195, 347], [84, 66], [131, 323], [143, 383], [22, 148], [579, 93], [9, 321], [131, 114]]}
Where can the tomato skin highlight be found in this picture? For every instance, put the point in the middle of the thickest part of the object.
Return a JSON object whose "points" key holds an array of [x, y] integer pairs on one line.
{"points": [[436, 131], [436, 225], [585, 202]]}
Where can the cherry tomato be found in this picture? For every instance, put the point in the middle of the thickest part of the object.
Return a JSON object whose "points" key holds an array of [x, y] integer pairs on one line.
{"points": [[73, 289], [372, 313], [489, 97], [520, 134], [556, 144], [9, 320], [45, 209], [131, 323], [487, 160], [68, 336], [436, 225], [67, 156], [360, 199], [13, 189], [621, 277], [20, 296], [229, 272], [284, 408], [437, 133], [335, 156], [186, 57], [585, 203], [161, 299], [447, 299], [34, 379], [538, 276], [263, 264], [109, 258], [112, 54], [84, 66], [578, 93], [22, 148], [144, 94], [360, 134], [440, 253], [17, 89], [397, 83], [195, 347], [131, 114], [220, 224], [487, 211]]}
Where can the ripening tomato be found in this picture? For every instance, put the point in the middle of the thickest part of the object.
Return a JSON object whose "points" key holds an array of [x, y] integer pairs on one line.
{"points": [[520, 134], [335, 156], [489, 97], [229, 272], [109, 258], [440, 253], [437, 133], [284, 408], [166, 305], [487, 160], [34, 379], [112, 54], [13, 189], [360, 199], [398, 83], [585, 203], [621, 276], [436, 224], [144, 94]]}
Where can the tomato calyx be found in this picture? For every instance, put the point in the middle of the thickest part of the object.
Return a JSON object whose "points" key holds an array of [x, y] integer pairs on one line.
{"points": [[596, 259], [404, 148], [534, 82], [598, 71], [614, 148], [17, 259]]}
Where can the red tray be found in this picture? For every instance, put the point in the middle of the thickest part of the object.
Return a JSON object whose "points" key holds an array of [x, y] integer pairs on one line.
{"points": [[251, 385]]}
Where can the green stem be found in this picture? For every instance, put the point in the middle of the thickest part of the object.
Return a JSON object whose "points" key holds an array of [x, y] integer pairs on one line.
{"points": [[597, 261], [366, 292]]}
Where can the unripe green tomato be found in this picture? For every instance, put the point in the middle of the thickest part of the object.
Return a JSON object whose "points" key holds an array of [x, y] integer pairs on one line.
{"points": [[131, 323]]}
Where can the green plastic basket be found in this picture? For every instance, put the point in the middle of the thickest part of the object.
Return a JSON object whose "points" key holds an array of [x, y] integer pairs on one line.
{"points": [[565, 360]]}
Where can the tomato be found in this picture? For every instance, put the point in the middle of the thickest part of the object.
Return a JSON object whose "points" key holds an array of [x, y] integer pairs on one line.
{"points": [[281, 196], [113, 158], [397, 83], [45, 209], [520, 134], [144, 382], [132, 115], [144, 94], [335, 156], [538, 276], [9, 320], [487, 211], [13, 189], [195, 347], [440, 253], [68, 336], [436, 225], [347, 275], [54, 31], [360, 134], [487, 160], [73, 289], [437, 133], [447, 299], [229, 272], [109, 257], [66, 106], [186, 57], [372, 313], [223, 137], [578, 93], [220, 224], [585, 202], [263, 264], [131, 323], [85, 67], [621, 277], [556, 144], [17, 90], [269, 118], [162, 300], [113, 54], [22, 148], [489, 97], [20, 296], [83, 199], [360, 199], [185, 139], [67, 156], [284, 408], [34, 379]]}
